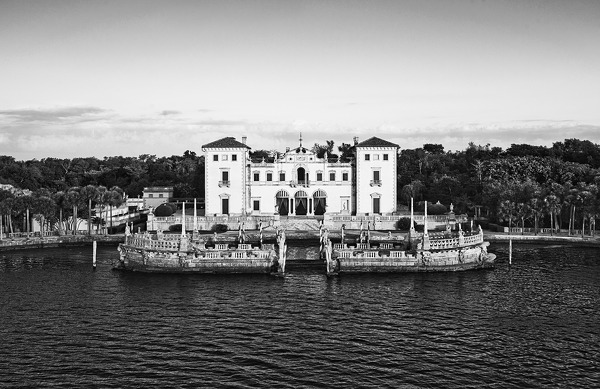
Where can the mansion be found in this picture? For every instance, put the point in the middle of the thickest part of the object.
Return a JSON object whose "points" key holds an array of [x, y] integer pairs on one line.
{"points": [[297, 182]]}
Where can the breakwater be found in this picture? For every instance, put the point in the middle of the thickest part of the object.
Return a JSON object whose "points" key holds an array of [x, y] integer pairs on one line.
{"points": [[557, 239], [35, 242]]}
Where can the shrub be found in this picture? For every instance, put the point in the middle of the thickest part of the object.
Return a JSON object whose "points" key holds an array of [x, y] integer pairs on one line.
{"points": [[220, 228], [165, 209], [403, 224], [436, 209], [175, 228]]}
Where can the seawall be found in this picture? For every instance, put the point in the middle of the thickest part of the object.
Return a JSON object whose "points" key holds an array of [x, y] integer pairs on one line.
{"points": [[542, 239], [7, 244]]}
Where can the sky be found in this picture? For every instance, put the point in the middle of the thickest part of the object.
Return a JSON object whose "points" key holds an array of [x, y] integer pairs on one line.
{"points": [[128, 77]]}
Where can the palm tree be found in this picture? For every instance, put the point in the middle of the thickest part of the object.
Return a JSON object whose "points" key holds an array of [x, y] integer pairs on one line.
{"points": [[536, 208], [4, 208], [27, 202], [60, 201], [43, 208], [588, 204], [116, 198], [412, 190], [507, 211], [73, 199], [89, 193], [553, 206], [102, 200], [16, 207]]}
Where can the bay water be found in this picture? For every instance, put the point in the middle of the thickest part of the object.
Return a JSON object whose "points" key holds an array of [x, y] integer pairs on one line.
{"points": [[535, 323]]}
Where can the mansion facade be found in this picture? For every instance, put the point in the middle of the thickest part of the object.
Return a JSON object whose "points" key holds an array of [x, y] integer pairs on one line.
{"points": [[297, 182]]}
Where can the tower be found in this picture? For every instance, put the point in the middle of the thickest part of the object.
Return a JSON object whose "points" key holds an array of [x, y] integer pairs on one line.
{"points": [[226, 177]]}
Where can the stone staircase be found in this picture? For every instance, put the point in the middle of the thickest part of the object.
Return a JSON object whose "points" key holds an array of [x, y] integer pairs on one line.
{"points": [[297, 223]]}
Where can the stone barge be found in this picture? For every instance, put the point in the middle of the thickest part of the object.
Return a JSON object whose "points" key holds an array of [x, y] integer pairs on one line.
{"points": [[164, 253], [460, 252], [443, 251]]}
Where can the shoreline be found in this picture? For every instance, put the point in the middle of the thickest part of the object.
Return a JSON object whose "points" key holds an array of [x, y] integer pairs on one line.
{"points": [[9, 244]]}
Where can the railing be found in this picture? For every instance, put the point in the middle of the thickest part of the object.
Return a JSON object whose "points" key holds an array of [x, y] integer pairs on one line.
{"points": [[454, 242], [473, 239], [144, 241], [375, 182], [390, 218], [251, 222], [223, 183], [172, 243], [351, 253], [303, 183]]}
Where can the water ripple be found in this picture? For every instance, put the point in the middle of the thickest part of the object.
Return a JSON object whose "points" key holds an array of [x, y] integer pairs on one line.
{"points": [[533, 324]]}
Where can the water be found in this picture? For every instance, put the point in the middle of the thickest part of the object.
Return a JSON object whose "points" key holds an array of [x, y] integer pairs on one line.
{"points": [[534, 324]]}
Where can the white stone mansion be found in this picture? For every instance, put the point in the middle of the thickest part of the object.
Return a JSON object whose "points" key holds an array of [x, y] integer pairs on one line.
{"points": [[297, 182]]}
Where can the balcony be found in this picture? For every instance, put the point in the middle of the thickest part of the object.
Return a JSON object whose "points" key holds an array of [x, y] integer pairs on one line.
{"points": [[224, 183], [303, 183], [375, 182]]}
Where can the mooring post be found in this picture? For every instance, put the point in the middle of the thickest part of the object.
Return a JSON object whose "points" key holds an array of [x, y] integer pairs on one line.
{"points": [[510, 251], [94, 245]]}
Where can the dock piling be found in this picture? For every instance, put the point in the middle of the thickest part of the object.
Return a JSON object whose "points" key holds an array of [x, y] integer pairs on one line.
{"points": [[94, 245], [510, 251]]}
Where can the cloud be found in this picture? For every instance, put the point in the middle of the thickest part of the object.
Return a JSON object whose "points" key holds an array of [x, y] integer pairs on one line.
{"points": [[169, 112], [51, 115], [221, 123], [90, 131]]}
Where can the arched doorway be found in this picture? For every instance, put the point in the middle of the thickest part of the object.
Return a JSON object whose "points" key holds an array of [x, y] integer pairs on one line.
{"points": [[301, 176], [282, 201], [320, 201], [376, 202], [301, 202]]}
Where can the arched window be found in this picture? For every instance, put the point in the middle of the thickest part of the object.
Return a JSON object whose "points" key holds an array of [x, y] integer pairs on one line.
{"points": [[282, 202], [320, 201]]}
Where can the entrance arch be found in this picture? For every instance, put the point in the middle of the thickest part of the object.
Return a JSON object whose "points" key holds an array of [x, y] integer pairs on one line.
{"points": [[301, 176], [301, 202], [282, 201], [320, 201], [376, 202]]}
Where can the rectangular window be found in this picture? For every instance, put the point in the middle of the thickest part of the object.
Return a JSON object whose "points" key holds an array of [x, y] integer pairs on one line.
{"points": [[332, 176], [385, 157], [256, 205], [224, 157], [281, 176], [256, 176], [150, 195], [224, 179], [344, 176], [319, 176], [269, 176], [234, 157], [375, 157], [160, 195], [367, 157], [375, 175], [215, 157]]}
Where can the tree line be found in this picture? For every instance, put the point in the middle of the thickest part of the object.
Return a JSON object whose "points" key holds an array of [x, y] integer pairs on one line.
{"points": [[60, 211], [53, 190], [524, 185]]}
